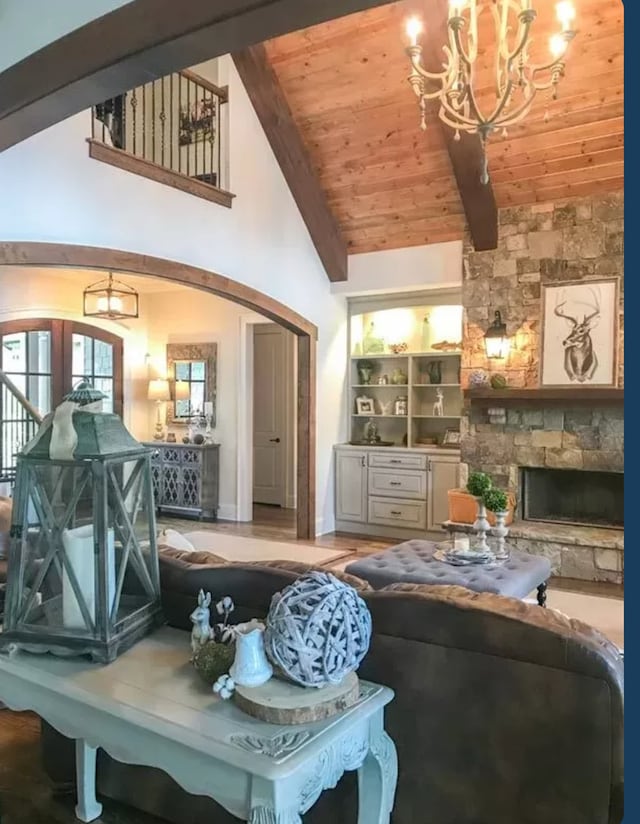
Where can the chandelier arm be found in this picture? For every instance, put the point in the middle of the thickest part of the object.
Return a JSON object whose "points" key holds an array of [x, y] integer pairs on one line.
{"points": [[458, 120], [517, 113], [415, 55], [459, 48]]}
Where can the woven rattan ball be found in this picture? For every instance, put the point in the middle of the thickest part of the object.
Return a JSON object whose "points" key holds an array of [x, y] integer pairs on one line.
{"points": [[318, 630]]}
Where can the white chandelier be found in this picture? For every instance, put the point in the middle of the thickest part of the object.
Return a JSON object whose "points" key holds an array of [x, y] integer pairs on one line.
{"points": [[517, 80]]}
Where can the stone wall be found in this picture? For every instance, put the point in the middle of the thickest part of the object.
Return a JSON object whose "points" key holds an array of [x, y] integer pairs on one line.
{"points": [[544, 243]]}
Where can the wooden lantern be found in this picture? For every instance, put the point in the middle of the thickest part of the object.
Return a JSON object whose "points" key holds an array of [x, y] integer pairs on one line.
{"points": [[83, 573]]}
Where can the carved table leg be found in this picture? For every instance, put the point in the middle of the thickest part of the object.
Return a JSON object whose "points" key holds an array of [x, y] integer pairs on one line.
{"points": [[87, 808], [377, 778], [542, 594], [265, 807]]}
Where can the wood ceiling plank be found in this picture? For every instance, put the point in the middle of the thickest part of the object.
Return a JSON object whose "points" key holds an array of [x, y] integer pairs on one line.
{"points": [[274, 114], [138, 42], [509, 160], [549, 167], [509, 197]]}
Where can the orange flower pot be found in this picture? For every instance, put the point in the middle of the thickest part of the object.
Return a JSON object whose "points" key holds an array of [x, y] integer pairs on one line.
{"points": [[463, 508]]}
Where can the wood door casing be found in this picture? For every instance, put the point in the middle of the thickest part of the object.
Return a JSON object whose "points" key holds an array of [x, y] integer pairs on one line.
{"points": [[269, 416]]}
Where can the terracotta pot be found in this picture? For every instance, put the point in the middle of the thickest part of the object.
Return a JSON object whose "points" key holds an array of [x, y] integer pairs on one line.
{"points": [[463, 508]]}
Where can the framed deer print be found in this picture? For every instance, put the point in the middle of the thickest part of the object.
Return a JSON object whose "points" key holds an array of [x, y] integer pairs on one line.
{"points": [[579, 340]]}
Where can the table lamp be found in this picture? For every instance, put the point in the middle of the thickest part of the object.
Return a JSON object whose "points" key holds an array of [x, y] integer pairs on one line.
{"points": [[159, 392]]}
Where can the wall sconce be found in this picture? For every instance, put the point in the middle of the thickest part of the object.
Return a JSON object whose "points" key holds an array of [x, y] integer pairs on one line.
{"points": [[496, 340]]}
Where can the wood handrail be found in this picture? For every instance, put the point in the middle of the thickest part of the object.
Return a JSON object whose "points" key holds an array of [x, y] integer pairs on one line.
{"points": [[22, 400], [220, 91]]}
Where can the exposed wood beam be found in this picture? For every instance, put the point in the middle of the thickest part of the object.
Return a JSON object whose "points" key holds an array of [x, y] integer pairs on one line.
{"points": [[478, 199], [274, 114], [138, 42]]}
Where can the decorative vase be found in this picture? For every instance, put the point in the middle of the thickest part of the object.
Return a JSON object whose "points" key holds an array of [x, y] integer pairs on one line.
{"points": [[500, 531], [434, 370], [250, 666], [426, 334], [399, 377], [365, 373], [481, 526]]}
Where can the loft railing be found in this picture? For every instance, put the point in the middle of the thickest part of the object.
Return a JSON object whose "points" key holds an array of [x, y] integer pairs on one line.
{"points": [[175, 123], [19, 422]]}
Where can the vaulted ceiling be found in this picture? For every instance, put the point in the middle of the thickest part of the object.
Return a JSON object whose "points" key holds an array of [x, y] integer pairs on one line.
{"points": [[391, 185]]}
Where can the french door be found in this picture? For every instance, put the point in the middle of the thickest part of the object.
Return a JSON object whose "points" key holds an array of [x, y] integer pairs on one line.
{"points": [[46, 358]]}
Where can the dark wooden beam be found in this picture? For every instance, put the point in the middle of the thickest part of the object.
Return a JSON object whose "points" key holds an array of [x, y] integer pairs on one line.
{"points": [[274, 114], [478, 199], [139, 42]]}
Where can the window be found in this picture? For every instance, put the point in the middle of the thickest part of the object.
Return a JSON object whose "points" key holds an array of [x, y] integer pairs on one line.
{"points": [[45, 359]]}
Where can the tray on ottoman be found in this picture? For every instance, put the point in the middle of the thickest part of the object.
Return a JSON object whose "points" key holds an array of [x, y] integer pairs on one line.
{"points": [[412, 562]]}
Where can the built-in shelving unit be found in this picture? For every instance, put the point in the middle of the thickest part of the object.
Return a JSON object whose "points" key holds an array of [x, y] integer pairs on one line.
{"points": [[401, 388]]}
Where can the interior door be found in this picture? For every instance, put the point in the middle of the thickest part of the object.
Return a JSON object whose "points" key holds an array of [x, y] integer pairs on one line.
{"points": [[269, 365]]}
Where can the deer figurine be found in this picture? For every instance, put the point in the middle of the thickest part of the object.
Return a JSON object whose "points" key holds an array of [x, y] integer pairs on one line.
{"points": [[202, 631], [438, 406], [580, 359]]}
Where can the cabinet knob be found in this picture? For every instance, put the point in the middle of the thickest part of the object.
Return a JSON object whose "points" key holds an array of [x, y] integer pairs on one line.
{"points": [[395, 483], [363, 461], [274, 440], [156, 453], [395, 512]]}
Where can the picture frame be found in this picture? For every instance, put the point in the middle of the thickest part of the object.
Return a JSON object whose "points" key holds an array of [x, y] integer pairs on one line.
{"points": [[451, 438], [365, 406], [579, 335]]}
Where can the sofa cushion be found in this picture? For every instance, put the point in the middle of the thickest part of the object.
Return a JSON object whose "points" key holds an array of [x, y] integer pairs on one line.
{"points": [[198, 557]]}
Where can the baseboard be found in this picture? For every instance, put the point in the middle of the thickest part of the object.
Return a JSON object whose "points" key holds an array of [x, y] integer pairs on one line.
{"points": [[227, 512], [290, 502], [324, 526]]}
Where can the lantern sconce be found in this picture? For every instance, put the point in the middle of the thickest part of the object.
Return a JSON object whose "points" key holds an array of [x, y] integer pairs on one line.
{"points": [[496, 340]]}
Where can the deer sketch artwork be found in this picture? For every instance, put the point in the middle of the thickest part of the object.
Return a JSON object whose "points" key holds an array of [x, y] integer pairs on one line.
{"points": [[580, 356]]}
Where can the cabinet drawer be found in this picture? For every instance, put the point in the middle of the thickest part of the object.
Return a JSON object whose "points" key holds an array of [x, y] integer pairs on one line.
{"points": [[410, 514], [409, 461], [402, 484]]}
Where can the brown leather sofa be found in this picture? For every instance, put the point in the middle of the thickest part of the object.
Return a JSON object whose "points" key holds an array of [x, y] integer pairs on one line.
{"points": [[505, 713]]}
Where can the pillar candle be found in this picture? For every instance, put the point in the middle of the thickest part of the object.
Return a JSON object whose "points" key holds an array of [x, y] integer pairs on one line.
{"points": [[78, 545]]}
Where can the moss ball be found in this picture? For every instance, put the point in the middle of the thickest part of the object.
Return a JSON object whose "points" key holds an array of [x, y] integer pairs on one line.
{"points": [[213, 660]]}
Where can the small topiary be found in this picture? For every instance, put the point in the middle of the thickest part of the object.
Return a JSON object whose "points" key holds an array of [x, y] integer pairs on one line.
{"points": [[213, 660], [496, 500], [478, 484], [498, 381]]}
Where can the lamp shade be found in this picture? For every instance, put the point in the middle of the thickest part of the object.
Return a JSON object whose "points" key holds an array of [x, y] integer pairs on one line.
{"points": [[182, 391], [496, 340], [159, 390]]}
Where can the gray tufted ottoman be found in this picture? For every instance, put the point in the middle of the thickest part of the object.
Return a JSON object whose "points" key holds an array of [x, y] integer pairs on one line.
{"points": [[412, 563]]}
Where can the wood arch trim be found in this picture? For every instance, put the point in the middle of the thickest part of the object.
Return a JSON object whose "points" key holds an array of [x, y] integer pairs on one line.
{"points": [[25, 253]]}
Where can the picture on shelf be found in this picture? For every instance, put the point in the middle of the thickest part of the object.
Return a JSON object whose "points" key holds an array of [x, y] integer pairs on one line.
{"points": [[365, 406], [451, 438]]}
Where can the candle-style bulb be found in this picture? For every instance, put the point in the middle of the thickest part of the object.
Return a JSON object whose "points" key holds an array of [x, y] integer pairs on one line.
{"points": [[557, 45], [413, 28], [455, 7], [565, 13]]}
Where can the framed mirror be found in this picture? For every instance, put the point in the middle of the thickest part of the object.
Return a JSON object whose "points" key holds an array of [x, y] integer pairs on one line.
{"points": [[191, 369]]}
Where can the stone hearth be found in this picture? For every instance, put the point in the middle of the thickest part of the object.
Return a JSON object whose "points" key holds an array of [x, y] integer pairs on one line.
{"points": [[544, 243]]}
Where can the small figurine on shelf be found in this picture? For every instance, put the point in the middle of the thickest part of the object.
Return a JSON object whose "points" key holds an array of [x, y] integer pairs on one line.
{"points": [[371, 431], [438, 406]]}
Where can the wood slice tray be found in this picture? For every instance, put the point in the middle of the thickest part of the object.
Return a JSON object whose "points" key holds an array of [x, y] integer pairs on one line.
{"points": [[281, 702]]}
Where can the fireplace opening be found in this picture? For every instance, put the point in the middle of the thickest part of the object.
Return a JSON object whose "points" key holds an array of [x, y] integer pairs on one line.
{"points": [[571, 496]]}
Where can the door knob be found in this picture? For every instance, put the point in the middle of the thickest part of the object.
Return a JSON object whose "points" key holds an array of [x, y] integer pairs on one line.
{"points": [[274, 440]]}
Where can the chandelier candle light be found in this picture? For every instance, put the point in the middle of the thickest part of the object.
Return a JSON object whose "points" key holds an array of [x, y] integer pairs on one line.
{"points": [[517, 79]]}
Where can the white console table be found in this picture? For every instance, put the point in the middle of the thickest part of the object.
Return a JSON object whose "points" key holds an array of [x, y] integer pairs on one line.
{"points": [[150, 707]]}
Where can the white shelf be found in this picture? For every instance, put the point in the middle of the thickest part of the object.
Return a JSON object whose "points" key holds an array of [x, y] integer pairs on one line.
{"points": [[383, 385], [434, 385], [439, 417], [366, 415], [434, 353]]}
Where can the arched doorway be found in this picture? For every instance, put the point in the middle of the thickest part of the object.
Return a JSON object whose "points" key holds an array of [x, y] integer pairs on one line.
{"points": [[89, 257]]}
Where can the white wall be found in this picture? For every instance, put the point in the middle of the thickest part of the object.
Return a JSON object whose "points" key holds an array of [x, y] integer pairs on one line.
{"points": [[52, 191], [41, 293], [28, 25], [411, 269]]}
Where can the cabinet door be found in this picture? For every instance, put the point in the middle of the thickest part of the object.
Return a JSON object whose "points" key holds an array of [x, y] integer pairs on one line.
{"points": [[351, 486], [443, 476]]}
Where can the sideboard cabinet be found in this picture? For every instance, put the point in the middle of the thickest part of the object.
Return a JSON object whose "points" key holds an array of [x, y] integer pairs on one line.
{"points": [[185, 479]]}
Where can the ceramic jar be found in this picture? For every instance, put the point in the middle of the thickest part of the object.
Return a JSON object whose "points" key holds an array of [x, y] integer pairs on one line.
{"points": [[399, 377], [250, 666]]}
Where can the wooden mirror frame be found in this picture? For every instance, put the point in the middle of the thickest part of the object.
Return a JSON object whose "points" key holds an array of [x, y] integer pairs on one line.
{"points": [[207, 352]]}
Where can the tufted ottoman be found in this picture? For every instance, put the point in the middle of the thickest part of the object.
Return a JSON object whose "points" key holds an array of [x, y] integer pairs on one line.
{"points": [[412, 563]]}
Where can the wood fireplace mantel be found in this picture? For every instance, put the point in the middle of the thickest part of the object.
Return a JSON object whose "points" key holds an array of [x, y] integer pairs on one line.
{"points": [[521, 396]]}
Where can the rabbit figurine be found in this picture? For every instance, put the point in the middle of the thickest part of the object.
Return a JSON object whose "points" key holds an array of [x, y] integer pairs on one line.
{"points": [[438, 408], [201, 632]]}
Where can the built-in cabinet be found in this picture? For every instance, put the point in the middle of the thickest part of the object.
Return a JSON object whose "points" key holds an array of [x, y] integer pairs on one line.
{"points": [[393, 492]]}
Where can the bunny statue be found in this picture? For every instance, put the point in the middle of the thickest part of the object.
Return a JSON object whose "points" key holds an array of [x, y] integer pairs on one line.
{"points": [[438, 408], [201, 632]]}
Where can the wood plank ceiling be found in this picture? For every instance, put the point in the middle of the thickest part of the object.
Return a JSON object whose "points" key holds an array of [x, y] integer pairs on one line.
{"points": [[391, 185]]}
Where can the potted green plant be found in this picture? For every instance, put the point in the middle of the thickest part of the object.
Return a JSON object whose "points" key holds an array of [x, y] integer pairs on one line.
{"points": [[478, 485], [497, 501]]}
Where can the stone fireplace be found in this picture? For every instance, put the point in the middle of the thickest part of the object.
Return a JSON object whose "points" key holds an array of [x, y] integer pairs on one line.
{"points": [[561, 453]]}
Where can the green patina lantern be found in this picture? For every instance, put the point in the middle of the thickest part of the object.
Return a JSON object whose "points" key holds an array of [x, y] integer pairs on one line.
{"points": [[83, 572]]}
